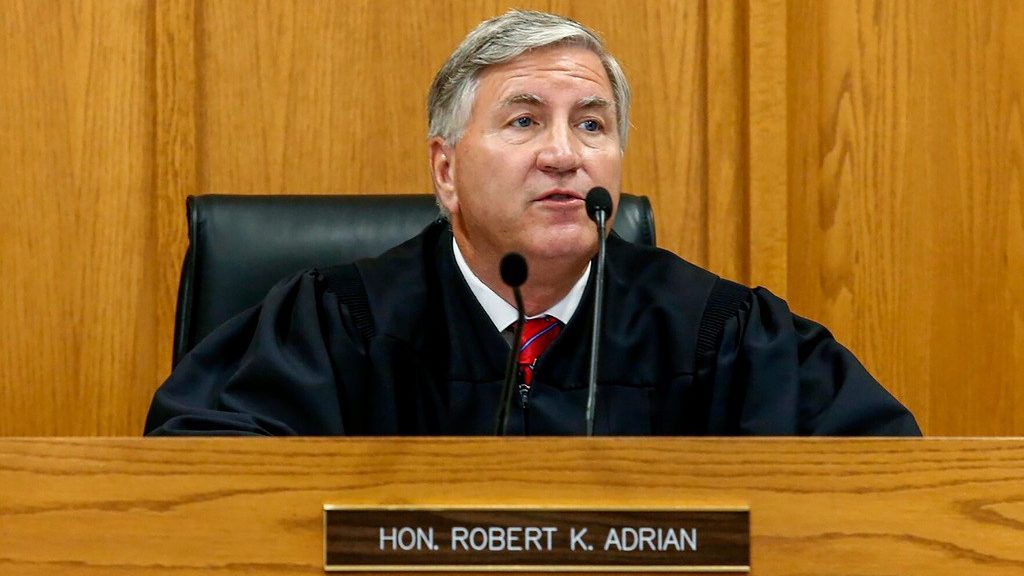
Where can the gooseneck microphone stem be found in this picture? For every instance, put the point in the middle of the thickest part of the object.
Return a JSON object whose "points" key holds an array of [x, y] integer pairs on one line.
{"points": [[595, 336], [513, 273], [599, 208], [501, 422]]}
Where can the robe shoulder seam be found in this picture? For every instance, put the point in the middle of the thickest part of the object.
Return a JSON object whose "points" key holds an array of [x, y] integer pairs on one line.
{"points": [[726, 299], [346, 283]]}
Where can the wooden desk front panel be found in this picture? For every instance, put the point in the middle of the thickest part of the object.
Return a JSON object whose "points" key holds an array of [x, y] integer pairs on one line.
{"points": [[228, 506]]}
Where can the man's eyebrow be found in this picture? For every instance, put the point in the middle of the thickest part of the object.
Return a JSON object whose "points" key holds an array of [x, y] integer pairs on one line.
{"points": [[535, 100], [522, 99], [594, 102]]}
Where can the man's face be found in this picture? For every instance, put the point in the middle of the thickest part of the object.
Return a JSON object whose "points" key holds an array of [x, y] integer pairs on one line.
{"points": [[542, 132]]}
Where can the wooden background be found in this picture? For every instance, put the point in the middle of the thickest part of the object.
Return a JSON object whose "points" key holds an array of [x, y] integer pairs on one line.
{"points": [[864, 160]]}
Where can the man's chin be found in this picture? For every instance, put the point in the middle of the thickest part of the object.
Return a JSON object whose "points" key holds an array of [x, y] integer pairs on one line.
{"points": [[561, 245]]}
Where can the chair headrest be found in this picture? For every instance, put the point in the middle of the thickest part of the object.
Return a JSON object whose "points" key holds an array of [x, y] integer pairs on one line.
{"points": [[241, 245]]}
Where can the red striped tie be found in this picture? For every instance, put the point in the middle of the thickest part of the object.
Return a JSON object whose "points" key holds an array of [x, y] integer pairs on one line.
{"points": [[538, 334]]}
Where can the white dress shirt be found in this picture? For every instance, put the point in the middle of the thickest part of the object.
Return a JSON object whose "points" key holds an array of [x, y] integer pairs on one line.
{"points": [[503, 314]]}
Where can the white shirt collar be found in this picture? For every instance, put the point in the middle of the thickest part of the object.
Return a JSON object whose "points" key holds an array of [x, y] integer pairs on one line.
{"points": [[501, 313]]}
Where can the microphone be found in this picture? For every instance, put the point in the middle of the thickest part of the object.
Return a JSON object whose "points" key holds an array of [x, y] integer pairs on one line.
{"points": [[513, 273], [599, 208], [599, 200]]}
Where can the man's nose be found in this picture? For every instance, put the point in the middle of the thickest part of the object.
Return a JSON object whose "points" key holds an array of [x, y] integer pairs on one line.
{"points": [[560, 151]]}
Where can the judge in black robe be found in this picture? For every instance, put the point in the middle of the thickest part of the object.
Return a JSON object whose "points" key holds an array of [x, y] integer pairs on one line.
{"points": [[399, 345], [528, 114]]}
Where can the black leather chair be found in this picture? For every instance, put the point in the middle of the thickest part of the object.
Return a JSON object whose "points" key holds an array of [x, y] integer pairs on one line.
{"points": [[240, 246]]}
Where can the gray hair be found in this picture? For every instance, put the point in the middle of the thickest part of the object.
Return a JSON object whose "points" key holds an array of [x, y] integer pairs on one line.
{"points": [[499, 40]]}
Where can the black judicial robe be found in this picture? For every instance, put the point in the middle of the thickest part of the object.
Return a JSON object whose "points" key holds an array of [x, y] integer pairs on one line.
{"points": [[418, 355]]}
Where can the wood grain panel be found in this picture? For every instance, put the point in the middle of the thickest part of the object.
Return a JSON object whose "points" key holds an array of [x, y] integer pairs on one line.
{"points": [[838, 507], [905, 140], [115, 112], [76, 318], [864, 159], [330, 97], [769, 188], [175, 157], [728, 140], [313, 97], [662, 47]]}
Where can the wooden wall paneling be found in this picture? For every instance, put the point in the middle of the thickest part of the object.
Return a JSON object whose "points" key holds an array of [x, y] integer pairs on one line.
{"points": [[329, 98], [76, 317], [1010, 169], [28, 353], [853, 165], [767, 128], [314, 97], [974, 162], [661, 46], [175, 161], [905, 147], [864, 160], [728, 140]]}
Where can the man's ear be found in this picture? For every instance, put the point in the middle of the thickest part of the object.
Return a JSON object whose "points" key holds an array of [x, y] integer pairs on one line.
{"points": [[442, 169]]}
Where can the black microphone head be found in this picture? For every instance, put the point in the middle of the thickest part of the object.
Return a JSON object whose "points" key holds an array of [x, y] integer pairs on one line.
{"points": [[513, 269], [598, 199]]}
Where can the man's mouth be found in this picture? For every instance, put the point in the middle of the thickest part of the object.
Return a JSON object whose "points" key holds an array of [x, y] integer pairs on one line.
{"points": [[560, 196]]}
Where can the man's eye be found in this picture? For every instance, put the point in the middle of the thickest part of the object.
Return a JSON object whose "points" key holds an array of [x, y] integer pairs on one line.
{"points": [[523, 122], [591, 125]]}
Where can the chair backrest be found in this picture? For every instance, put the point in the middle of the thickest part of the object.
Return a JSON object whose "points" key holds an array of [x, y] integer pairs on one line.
{"points": [[241, 245]]}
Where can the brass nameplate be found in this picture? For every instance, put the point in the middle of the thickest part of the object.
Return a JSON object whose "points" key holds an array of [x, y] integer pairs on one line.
{"points": [[536, 539]]}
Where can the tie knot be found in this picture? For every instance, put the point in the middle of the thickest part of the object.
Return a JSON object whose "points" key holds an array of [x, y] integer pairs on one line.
{"points": [[538, 334], [534, 327]]}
